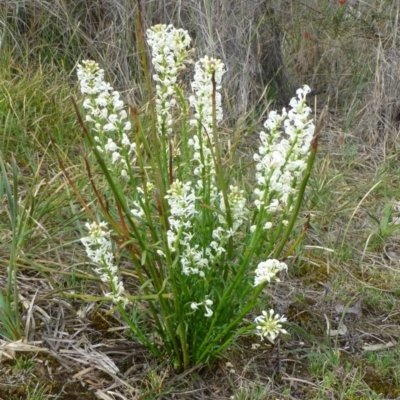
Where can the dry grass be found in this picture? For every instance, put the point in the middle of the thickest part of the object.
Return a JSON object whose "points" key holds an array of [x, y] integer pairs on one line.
{"points": [[245, 34], [346, 53], [381, 118], [345, 274]]}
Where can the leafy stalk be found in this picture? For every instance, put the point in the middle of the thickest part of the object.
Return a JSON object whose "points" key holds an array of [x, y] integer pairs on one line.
{"points": [[9, 313]]}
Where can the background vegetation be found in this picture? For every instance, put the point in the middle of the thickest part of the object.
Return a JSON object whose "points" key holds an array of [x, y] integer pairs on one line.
{"points": [[342, 291]]}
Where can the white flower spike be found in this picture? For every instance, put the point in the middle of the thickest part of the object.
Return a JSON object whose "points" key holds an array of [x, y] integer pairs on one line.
{"points": [[99, 250], [105, 114], [282, 154]]}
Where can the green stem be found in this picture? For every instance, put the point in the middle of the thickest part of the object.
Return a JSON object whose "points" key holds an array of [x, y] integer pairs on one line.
{"points": [[218, 164], [137, 332], [142, 49], [225, 334], [12, 318], [224, 301], [90, 298], [179, 315]]}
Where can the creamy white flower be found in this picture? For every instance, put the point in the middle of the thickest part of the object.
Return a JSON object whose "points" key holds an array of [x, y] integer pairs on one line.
{"points": [[270, 325], [267, 270], [104, 112], [137, 211], [181, 199], [268, 225], [111, 146], [237, 204], [169, 48], [282, 156], [209, 312], [99, 250], [182, 203], [202, 142], [161, 253], [207, 303]]}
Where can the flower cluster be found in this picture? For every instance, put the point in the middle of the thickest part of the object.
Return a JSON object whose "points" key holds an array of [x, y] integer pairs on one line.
{"points": [[193, 259], [270, 325], [99, 250], [282, 155], [267, 270], [105, 111], [207, 304], [206, 70], [169, 51], [237, 204], [138, 211], [181, 199]]}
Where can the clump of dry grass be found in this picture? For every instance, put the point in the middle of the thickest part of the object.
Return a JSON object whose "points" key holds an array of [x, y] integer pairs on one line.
{"points": [[245, 34], [381, 117], [331, 46], [346, 53]]}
